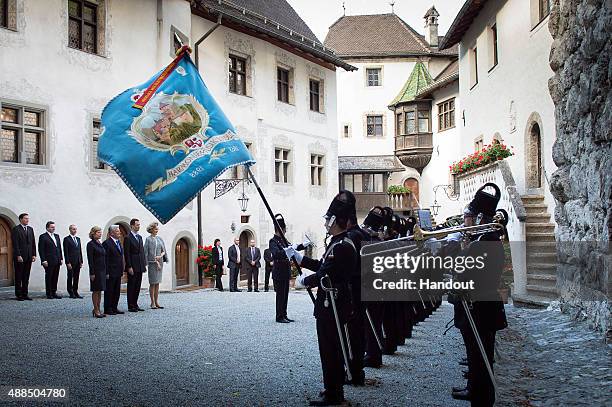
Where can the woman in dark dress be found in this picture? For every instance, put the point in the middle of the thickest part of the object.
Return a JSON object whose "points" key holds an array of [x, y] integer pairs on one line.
{"points": [[96, 257]]}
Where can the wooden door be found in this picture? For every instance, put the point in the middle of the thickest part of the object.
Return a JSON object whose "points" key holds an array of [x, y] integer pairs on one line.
{"points": [[534, 158], [6, 254], [181, 262], [413, 184], [245, 238]]}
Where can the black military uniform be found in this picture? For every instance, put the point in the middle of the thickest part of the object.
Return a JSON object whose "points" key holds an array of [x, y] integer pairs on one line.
{"points": [[336, 267], [487, 309], [356, 323], [281, 273]]}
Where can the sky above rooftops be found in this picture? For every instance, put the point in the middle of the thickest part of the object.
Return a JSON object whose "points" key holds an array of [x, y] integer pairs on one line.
{"points": [[320, 14]]}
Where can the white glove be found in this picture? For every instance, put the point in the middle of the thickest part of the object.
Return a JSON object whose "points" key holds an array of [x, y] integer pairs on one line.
{"points": [[299, 280], [295, 246], [291, 252]]}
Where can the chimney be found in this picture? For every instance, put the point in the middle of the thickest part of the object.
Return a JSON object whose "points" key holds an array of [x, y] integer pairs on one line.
{"points": [[431, 27]]}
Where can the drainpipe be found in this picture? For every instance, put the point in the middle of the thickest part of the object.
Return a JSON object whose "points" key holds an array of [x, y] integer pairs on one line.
{"points": [[199, 198]]}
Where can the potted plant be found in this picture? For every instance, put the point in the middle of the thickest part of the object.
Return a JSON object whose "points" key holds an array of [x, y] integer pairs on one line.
{"points": [[205, 266], [399, 196]]}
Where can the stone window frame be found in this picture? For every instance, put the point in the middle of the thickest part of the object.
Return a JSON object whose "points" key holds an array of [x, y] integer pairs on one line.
{"points": [[95, 137], [346, 131], [493, 45], [444, 108], [283, 162], [100, 27], [317, 169], [290, 83], [321, 82], [366, 81], [9, 21], [365, 124], [537, 12], [238, 171], [478, 143], [360, 176], [184, 39], [233, 69], [473, 65], [20, 127], [248, 71]]}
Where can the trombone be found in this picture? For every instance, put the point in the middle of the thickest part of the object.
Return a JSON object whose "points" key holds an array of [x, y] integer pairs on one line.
{"points": [[420, 236]]}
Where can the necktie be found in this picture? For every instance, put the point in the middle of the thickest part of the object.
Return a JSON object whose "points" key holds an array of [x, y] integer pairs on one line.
{"points": [[252, 253], [75, 241], [118, 245]]}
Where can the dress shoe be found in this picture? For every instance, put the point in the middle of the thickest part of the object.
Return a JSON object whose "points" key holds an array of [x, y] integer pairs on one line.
{"points": [[282, 321], [160, 307], [27, 298], [463, 362], [110, 312], [220, 289], [118, 312], [461, 395], [57, 296], [327, 400], [249, 291], [132, 310], [266, 290], [370, 362], [77, 295], [50, 297], [458, 389], [72, 296], [20, 298], [289, 319], [256, 291], [139, 309]]}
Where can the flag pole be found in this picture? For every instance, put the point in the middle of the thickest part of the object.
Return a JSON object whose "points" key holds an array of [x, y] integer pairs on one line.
{"points": [[199, 197], [276, 225]]}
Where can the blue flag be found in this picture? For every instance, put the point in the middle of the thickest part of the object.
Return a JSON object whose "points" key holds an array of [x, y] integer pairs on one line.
{"points": [[168, 138]]}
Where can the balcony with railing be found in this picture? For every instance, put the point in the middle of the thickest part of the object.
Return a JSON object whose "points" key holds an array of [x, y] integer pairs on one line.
{"points": [[398, 202]]}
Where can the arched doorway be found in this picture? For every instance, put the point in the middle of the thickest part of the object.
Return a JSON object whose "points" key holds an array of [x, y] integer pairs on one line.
{"points": [[534, 157], [413, 184], [181, 262], [6, 254], [245, 238]]}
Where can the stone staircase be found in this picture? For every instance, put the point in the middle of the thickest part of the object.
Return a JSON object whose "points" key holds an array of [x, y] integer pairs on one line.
{"points": [[541, 253]]}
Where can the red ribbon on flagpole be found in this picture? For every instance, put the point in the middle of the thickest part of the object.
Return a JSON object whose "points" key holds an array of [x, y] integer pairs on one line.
{"points": [[150, 91]]}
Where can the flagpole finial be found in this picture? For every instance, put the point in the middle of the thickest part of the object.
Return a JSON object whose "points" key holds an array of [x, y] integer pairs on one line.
{"points": [[184, 48]]}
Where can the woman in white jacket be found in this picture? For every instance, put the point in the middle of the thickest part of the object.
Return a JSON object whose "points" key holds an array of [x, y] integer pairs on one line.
{"points": [[155, 254]]}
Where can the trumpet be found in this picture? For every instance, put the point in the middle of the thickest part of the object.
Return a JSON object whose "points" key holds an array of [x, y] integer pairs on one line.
{"points": [[420, 235]]}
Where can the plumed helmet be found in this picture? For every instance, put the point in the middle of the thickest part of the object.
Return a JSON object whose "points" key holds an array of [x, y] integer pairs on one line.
{"points": [[342, 206], [280, 221], [374, 219], [485, 202]]}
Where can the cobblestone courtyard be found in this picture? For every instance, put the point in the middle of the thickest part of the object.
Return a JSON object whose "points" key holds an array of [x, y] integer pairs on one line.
{"points": [[211, 348]]}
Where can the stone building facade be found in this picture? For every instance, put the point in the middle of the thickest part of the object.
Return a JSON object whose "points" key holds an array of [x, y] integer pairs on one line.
{"points": [[61, 61], [582, 184]]}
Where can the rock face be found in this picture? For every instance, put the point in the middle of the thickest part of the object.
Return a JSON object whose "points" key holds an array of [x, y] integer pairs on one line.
{"points": [[582, 185]]}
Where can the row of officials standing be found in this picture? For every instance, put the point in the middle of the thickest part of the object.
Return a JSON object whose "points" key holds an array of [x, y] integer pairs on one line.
{"points": [[109, 261], [53, 253]]}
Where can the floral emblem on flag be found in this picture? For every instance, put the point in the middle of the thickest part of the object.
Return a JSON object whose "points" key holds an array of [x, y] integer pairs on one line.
{"points": [[171, 123]]}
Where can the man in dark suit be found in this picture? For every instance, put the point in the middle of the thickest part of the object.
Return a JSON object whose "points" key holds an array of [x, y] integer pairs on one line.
{"points": [[253, 263], [115, 266], [217, 260], [50, 250], [235, 258], [73, 255], [281, 271], [269, 263], [135, 264], [24, 254]]}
